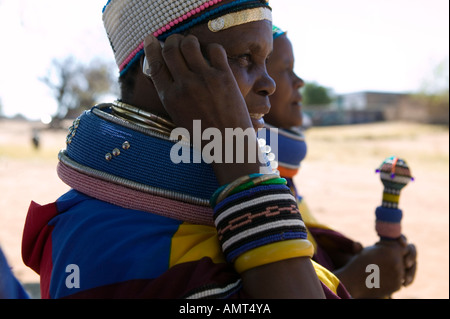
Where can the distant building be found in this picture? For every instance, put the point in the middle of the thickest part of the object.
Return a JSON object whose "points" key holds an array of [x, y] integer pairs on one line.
{"points": [[370, 106], [369, 101]]}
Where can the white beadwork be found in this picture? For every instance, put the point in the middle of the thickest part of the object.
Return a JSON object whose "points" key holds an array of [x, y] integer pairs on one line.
{"points": [[128, 22], [120, 14]]}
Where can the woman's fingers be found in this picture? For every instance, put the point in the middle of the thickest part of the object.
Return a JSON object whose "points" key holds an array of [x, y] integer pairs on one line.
{"points": [[174, 58], [218, 57], [410, 255], [410, 264], [192, 53], [192, 86], [155, 67], [180, 60]]}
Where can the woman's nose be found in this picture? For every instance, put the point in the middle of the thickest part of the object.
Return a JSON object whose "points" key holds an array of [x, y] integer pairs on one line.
{"points": [[267, 85], [298, 82]]}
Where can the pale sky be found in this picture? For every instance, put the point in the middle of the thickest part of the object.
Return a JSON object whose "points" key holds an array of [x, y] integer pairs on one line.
{"points": [[347, 45]]}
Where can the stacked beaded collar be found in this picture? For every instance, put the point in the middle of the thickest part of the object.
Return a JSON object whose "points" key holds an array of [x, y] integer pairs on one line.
{"points": [[290, 151], [115, 160], [128, 22]]}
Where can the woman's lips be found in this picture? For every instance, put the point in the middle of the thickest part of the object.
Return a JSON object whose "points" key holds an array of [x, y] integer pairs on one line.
{"points": [[256, 116], [257, 120], [297, 104]]}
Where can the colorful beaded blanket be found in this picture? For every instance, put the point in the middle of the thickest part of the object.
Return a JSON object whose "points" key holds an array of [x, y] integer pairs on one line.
{"points": [[125, 230]]}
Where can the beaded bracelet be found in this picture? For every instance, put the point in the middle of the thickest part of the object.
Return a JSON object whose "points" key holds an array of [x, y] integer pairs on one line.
{"points": [[214, 198], [259, 181], [242, 183], [255, 217], [271, 253]]}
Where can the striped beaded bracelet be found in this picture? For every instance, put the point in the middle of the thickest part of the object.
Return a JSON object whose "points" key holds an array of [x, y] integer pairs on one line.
{"points": [[258, 216], [245, 182]]}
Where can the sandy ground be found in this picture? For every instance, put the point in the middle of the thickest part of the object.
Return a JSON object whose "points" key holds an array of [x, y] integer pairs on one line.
{"points": [[337, 179]]}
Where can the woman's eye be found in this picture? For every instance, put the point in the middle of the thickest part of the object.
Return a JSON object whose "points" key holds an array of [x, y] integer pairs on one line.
{"points": [[245, 57], [243, 60]]}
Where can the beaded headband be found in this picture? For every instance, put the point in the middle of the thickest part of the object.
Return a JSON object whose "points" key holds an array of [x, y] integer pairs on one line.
{"points": [[238, 18], [128, 22], [277, 32]]}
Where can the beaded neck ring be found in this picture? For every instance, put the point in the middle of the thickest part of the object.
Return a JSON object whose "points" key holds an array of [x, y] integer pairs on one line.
{"points": [[163, 126], [128, 22]]}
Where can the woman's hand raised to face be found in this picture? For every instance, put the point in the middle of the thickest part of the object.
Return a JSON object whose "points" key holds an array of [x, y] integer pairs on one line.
{"points": [[192, 87]]}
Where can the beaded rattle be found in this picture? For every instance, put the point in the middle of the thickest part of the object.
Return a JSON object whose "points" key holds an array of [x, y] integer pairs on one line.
{"points": [[395, 175]]}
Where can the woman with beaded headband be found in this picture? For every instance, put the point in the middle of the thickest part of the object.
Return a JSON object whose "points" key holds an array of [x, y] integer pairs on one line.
{"points": [[143, 221], [346, 258]]}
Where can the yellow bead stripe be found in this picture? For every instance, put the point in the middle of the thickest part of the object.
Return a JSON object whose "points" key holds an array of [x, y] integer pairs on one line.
{"points": [[391, 198], [271, 253]]}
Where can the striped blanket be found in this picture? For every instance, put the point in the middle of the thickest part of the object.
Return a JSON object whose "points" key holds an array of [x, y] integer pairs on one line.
{"points": [[86, 248], [125, 230]]}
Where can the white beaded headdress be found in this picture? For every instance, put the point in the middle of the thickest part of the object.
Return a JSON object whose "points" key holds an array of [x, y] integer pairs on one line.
{"points": [[128, 22]]}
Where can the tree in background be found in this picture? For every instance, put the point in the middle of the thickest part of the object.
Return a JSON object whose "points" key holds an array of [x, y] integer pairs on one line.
{"points": [[434, 93], [315, 94], [437, 82], [77, 87]]}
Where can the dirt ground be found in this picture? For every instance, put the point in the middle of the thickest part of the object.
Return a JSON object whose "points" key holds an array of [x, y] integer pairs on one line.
{"points": [[337, 180]]}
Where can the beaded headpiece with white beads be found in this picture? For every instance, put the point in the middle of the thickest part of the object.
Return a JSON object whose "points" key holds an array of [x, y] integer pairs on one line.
{"points": [[128, 22]]}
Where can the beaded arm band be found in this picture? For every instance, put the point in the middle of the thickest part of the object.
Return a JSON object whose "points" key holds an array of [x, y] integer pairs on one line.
{"points": [[256, 218], [271, 253]]}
